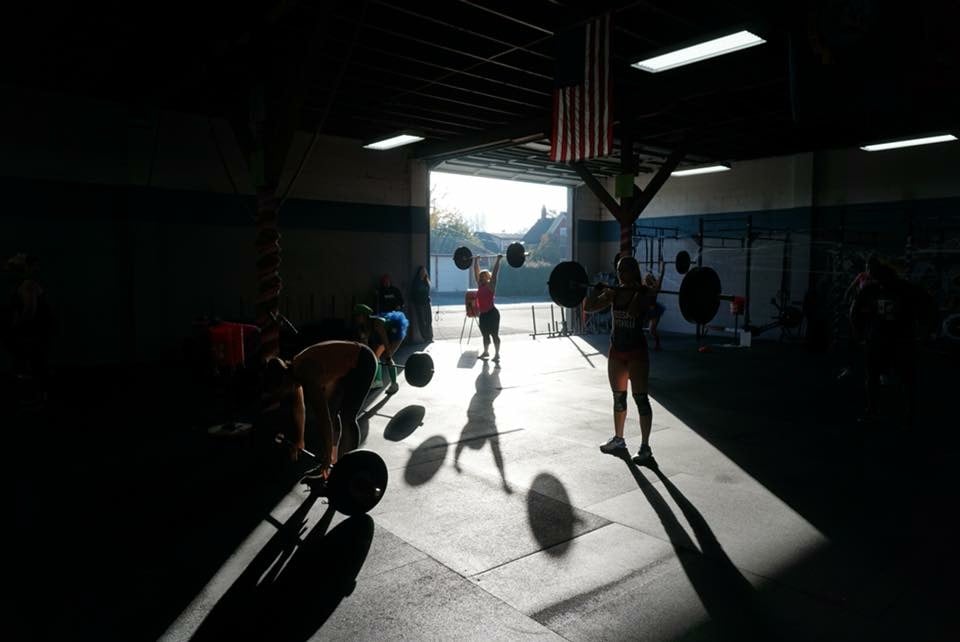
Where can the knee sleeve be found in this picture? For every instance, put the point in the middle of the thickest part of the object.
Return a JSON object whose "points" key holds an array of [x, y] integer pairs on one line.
{"points": [[619, 400], [643, 404]]}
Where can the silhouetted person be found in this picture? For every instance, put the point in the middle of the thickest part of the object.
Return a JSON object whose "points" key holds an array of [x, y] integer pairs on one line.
{"points": [[334, 378], [420, 298], [29, 323], [849, 295], [886, 316], [389, 297], [383, 334], [656, 309], [628, 359]]}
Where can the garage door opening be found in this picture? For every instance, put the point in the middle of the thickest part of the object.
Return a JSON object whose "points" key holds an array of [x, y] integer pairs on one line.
{"points": [[486, 216]]}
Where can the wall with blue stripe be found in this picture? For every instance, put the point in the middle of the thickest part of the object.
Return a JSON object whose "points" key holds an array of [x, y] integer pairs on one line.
{"points": [[829, 200], [129, 267]]}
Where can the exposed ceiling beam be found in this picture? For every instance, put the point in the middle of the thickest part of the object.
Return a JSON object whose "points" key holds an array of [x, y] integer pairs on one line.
{"points": [[471, 32]]}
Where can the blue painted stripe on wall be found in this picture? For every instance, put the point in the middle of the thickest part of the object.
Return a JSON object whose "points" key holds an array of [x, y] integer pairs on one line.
{"points": [[55, 200], [598, 231], [796, 218]]}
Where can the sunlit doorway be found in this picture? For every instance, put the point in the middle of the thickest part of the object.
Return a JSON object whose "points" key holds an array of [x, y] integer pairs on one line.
{"points": [[487, 215]]}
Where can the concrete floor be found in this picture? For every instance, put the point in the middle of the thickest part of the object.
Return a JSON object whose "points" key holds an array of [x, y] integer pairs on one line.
{"points": [[770, 514]]}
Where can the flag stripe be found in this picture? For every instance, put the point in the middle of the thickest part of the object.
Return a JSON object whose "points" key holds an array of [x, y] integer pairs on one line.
{"points": [[581, 126]]}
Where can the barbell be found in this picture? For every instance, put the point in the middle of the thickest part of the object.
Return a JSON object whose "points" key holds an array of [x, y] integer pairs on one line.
{"points": [[700, 290], [682, 261], [356, 482], [516, 255], [418, 370]]}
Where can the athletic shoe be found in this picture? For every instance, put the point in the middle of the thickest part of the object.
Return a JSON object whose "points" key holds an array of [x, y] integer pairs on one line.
{"points": [[643, 455], [613, 444]]}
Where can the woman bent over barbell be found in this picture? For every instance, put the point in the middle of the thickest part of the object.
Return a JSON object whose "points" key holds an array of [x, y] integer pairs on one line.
{"points": [[628, 359], [334, 378], [383, 335]]}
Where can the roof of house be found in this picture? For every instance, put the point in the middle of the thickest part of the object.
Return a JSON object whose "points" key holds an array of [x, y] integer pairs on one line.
{"points": [[447, 244], [532, 237]]}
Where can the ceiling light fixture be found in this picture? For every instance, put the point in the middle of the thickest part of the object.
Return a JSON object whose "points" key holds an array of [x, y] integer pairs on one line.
{"points": [[702, 51], [394, 141], [709, 169], [910, 142]]}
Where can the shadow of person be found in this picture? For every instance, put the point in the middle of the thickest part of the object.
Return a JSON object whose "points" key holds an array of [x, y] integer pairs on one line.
{"points": [[293, 585], [481, 425], [729, 599]]}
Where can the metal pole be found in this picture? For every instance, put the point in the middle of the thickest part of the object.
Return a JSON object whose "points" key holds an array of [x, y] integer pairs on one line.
{"points": [[699, 261], [533, 312], [746, 308], [553, 323]]}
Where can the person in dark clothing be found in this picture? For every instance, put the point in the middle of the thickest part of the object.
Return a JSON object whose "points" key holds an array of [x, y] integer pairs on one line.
{"points": [[382, 334], [628, 359], [420, 298], [887, 315], [389, 297], [28, 321]]}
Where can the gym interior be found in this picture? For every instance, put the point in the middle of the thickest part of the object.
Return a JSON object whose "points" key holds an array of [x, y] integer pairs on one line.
{"points": [[191, 191]]}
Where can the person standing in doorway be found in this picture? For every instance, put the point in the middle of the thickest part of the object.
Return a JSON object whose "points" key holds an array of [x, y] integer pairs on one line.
{"points": [[420, 298], [489, 316]]}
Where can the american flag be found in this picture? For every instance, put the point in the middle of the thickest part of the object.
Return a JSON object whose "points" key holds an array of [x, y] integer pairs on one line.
{"points": [[582, 125]]}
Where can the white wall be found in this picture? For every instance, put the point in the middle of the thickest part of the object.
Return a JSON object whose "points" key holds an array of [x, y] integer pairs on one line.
{"points": [[787, 189], [772, 183], [847, 176]]}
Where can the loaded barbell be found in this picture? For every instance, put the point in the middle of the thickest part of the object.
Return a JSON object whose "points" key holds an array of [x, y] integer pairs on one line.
{"points": [[356, 482], [516, 255], [682, 261], [700, 291], [418, 370]]}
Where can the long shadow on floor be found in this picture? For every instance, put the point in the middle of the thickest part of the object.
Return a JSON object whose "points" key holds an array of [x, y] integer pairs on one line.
{"points": [[727, 596], [129, 507], [777, 412], [292, 586]]}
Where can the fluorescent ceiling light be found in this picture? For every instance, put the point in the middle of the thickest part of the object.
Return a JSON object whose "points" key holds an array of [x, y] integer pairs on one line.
{"points": [[395, 141], [709, 169], [702, 51], [929, 140]]}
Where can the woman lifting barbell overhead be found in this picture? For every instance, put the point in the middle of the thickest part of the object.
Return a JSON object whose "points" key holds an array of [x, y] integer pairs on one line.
{"points": [[628, 358], [489, 319], [334, 378]]}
